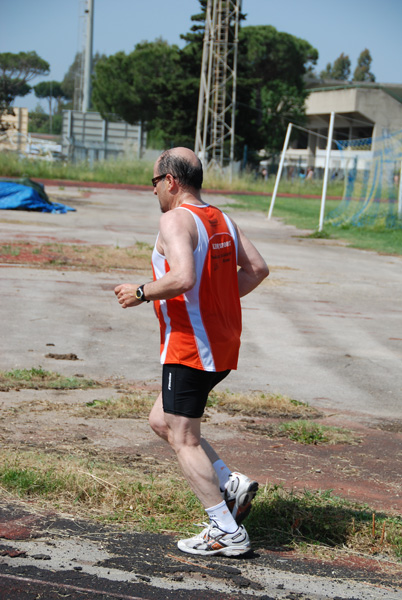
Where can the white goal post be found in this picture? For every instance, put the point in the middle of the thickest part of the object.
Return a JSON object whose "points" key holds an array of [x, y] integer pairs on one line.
{"points": [[326, 170]]}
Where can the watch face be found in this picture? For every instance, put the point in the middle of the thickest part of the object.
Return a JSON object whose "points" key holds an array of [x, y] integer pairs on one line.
{"points": [[139, 293]]}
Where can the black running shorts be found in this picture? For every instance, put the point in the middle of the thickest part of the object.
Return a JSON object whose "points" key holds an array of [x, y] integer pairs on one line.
{"points": [[185, 390]]}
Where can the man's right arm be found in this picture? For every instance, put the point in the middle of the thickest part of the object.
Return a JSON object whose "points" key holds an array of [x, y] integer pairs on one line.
{"points": [[253, 268]]}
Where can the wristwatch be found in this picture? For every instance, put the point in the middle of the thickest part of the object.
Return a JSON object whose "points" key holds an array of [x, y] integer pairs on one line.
{"points": [[139, 294]]}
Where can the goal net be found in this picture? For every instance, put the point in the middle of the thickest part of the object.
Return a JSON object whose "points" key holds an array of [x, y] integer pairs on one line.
{"points": [[371, 173]]}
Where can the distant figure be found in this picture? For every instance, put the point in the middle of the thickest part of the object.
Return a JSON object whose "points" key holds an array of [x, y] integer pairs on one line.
{"points": [[264, 174], [310, 173]]}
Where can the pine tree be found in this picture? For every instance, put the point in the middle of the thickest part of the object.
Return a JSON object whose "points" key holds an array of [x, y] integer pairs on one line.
{"points": [[362, 71]]}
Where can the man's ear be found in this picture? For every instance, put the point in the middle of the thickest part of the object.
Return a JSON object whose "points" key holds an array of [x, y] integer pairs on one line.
{"points": [[171, 181]]}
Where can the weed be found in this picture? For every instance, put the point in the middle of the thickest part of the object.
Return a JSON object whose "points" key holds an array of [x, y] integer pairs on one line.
{"points": [[126, 406], [260, 404], [308, 432], [283, 518], [38, 378], [10, 250], [305, 433], [320, 235]]}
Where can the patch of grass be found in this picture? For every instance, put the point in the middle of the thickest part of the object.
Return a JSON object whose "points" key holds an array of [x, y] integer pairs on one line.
{"points": [[147, 499], [84, 257], [292, 519], [129, 170], [9, 249], [124, 406], [38, 378], [259, 404], [30, 482], [377, 239], [156, 498], [304, 213], [303, 432], [309, 432], [139, 172]]}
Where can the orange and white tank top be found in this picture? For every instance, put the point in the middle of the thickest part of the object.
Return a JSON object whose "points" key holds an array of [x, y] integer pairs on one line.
{"points": [[201, 328]]}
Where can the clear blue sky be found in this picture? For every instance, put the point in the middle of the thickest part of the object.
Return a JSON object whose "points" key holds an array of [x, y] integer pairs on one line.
{"points": [[52, 28]]}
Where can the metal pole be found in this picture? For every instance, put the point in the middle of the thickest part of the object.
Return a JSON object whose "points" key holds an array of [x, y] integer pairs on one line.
{"points": [[210, 22], [325, 182], [236, 42], [279, 173], [86, 102], [204, 91]]}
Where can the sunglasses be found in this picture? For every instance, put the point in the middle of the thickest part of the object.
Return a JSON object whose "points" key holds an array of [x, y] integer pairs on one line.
{"points": [[156, 179]]}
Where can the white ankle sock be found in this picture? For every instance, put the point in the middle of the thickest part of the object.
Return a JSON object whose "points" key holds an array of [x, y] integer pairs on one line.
{"points": [[223, 473], [222, 517]]}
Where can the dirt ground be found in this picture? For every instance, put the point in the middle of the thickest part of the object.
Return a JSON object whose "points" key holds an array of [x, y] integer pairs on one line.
{"points": [[367, 470]]}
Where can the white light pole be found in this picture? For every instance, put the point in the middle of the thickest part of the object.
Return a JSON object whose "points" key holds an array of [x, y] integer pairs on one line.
{"points": [[86, 101]]}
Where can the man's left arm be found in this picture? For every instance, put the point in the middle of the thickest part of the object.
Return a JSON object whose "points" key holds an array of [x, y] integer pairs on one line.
{"points": [[253, 268]]}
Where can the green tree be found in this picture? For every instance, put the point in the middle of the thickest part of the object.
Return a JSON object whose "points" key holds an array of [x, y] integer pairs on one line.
{"points": [[75, 71], [138, 86], [158, 84], [50, 90], [39, 121], [362, 71], [327, 73], [340, 70], [271, 89], [16, 70]]}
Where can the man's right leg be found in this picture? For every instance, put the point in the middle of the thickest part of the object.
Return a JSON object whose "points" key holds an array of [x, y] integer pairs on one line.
{"points": [[171, 434], [158, 425], [237, 489]]}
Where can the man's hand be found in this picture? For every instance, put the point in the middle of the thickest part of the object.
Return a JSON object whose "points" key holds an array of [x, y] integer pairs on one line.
{"points": [[126, 295]]}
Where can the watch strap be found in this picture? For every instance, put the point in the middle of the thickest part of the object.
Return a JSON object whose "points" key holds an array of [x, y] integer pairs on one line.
{"points": [[140, 293]]}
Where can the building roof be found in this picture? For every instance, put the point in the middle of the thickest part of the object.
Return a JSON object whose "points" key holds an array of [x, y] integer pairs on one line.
{"points": [[392, 89]]}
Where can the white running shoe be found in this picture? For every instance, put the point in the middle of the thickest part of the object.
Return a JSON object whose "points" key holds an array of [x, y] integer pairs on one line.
{"points": [[238, 495], [213, 540]]}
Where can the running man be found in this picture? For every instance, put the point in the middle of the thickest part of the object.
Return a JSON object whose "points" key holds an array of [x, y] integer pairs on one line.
{"points": [[202, 264]]}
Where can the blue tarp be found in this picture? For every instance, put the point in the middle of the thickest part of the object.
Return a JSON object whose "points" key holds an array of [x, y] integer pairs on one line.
{"points": [[28, 195]]}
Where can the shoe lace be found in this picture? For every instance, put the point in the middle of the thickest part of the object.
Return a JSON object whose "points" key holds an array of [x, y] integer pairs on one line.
{"points": [[206, 532]]}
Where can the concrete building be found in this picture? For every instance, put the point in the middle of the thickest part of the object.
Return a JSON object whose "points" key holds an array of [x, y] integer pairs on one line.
{"points": [[362, 111], [16, 136]]}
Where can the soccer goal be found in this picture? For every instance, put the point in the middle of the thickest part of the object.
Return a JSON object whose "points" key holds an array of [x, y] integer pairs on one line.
{"points": [[370, 170]]}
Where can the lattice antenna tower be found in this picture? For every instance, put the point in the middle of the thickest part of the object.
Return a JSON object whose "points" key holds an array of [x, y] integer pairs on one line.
{"points": [[217, 97]]}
